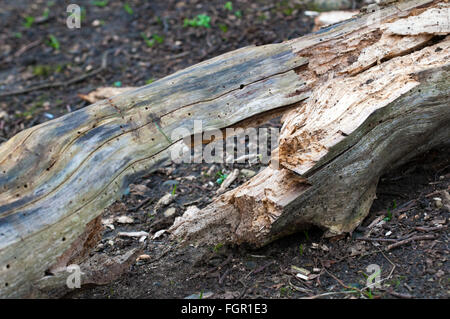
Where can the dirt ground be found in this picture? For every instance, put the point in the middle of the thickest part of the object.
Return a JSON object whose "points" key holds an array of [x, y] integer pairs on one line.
{"points": [[418, 269], [148, 40]]}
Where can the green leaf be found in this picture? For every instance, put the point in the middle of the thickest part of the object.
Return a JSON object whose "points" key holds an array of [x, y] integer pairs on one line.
{"points": [[288, 11], [174, 189], [128, 9], [53, 42], [218, 247], [150, 42], [201, 20], [228, 6], [221, 177], [389, 216], [28, 22], [158, 39], [306, 234], [223, 27], [100, 4]]}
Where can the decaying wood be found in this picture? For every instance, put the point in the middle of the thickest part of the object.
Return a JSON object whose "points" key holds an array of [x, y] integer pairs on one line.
{"points": [[357, 112], [378, 98]]}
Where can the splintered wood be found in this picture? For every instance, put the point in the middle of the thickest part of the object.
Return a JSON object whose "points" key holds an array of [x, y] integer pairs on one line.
{"points": [[356, 98]]}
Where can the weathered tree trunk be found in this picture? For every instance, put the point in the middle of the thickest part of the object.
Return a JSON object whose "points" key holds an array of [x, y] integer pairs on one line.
{"points": [[369, 93]]}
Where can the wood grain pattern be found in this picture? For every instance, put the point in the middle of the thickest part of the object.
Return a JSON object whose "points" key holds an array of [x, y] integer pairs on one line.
{"points": [[57, 177]]}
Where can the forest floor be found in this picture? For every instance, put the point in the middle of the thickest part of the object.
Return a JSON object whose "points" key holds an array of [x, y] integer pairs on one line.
{"points": [[148, 40]]}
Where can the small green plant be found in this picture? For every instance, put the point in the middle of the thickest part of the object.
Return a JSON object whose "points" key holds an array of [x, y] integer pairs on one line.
{"points": [[100, 4], [46, 70], [201, 295], [53, 42], [151, 42], [147, 41], [306, 234], [288, 11], [389, 212], [238, 14], [117, 84], [159, 39], [396, 282], [217, 247], [174, 189], [150, 81], [262, 17], [202, 20], [284, 291], [46, 13], [18, 35], [223, 27], [228, 6], [221, 177], [300, 248], [28, 22], [368, 293], [128, 9], [389, 216]]}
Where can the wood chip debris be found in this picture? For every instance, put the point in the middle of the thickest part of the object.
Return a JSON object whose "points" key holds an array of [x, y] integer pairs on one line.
{"points": [[164, 201], [124, 220], [133, 234]]}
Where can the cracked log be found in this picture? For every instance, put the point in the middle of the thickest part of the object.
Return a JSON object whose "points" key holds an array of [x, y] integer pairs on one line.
{"points": [[359, 97], [379, 95]]}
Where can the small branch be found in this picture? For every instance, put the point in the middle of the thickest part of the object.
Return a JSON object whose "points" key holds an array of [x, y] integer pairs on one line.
{"points": [[403, 242], [399, 295], [428, 229], [27, 47], [377, 239], [144, 202]]}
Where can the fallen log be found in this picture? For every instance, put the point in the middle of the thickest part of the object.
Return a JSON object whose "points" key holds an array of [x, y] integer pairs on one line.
{"points": [[361, 96]]}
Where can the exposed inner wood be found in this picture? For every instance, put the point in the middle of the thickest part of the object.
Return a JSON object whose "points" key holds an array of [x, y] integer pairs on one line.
{"points": [[349, 93]]}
